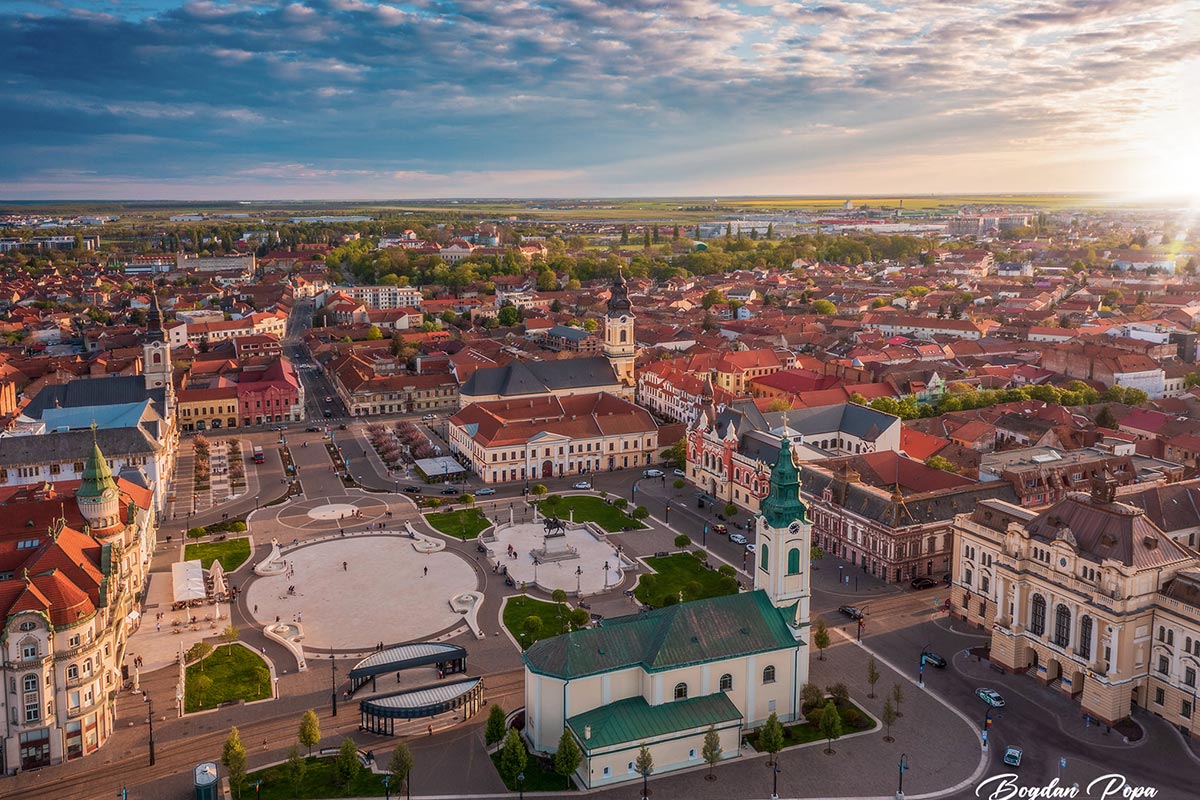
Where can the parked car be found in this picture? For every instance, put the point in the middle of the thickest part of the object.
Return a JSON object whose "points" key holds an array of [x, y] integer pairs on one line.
{"points": [[581, 485], [737, 538], [679, 473], [851, 612], [721, 529], [449, 490], [413, 489], [429, 416], [329, 399], [934, 660], [924, 583], [652, 473], [991, 697], [313, 429], [328, 413], [1012, 755], [486, 490]]}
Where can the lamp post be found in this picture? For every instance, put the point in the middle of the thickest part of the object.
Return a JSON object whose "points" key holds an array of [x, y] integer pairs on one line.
{"points": [[704, 539], [987, 723], [258, 789], [645, 787], [606, 575], [521, 785], [387, 786], [333, 683], [667, 512], [633, 494], [578, 580], [921, 666], [775, 780], [150, 705], [903, 767]]}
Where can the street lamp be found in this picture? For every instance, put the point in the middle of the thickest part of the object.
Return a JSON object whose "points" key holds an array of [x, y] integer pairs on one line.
{"points": [[387, 786], [667, 513], [987, 723], [258, 788], [903, 768], [606, 575], [578, 580], [921, 666], [704, 539], [521, 785], [775, 780], [333, 683], [645, 788], [150, 704]]}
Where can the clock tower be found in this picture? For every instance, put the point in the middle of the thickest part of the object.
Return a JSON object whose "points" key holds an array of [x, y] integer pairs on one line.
{"points": [[784, 541], [619, 346], [97, 496], [156, 357]]}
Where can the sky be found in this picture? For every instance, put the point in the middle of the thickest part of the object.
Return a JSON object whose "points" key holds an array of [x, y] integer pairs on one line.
{"points": [[349, 99]]}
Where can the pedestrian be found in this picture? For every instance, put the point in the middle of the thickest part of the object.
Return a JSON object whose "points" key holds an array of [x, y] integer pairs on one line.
{"points": [[158, 625], [277, 618], [300, 616], [256, 608], [431, 729], [264, 743], [345, 567]]}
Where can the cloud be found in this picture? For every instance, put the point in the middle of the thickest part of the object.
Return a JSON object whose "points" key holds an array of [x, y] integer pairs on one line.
{"points": [[579, 95]]}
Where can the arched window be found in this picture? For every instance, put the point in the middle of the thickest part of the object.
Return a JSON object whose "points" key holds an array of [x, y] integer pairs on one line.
{"points": [[157, 358], [1085, 636], [1162, 633], [1170, 637], [624, 336], [1037, 620], [793, 567], [727, 683], [681, 691], [768, 675], [1062, 625], [762, 559]]}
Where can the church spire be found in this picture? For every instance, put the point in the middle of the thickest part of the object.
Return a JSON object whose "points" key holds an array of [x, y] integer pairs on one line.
{"points": [[154, 332], [618, 302], [782, 505]]}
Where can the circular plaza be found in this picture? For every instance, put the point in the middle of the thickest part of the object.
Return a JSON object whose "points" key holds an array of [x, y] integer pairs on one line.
{"points": [[352, 593], [321, 515]]}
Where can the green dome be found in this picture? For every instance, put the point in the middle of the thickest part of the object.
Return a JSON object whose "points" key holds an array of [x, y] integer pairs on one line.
{"points": [[97, 477], [782, 505]]}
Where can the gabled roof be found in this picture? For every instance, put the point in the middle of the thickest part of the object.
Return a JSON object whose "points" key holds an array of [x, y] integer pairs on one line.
{"points": [[695, 632], [635, 720], [540, 377]]}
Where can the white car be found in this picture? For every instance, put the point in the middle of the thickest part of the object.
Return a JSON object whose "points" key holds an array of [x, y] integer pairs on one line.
{"points": [[486, 490], [751, 548], [737, 538], [652, 473], [679, 473], [429, 416], [581, 485]]}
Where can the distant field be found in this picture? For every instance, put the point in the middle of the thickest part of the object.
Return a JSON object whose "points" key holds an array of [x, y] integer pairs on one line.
{"points": [[923, 202]]}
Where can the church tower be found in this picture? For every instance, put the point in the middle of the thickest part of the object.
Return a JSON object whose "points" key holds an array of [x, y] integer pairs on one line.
{"points": [[619, 346], [784, 539], [97, 496], [156, 356]]}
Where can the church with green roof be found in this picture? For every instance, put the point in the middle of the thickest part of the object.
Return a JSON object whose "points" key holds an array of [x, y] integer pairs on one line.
{"points": [[662, 678]]}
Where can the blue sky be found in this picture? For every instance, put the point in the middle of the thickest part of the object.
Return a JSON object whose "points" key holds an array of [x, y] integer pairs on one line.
{"points": [[348, 99]]}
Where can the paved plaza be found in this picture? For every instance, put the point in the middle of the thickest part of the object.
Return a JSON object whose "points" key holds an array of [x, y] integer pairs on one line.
{"points": [[352, 593], [318, 514], [591, 554]]}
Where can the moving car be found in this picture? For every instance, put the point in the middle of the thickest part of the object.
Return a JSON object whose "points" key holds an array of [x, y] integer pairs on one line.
{"points": [[313, 429], [652, 473], [449, 490], [429, 416], [328, 399], [991, 697], [413, 489], [750, 548], [934, 660], [342, 427], [581, 485], [851, 612], [328, 413], [721, 529], [1012, 755], [486, 490], [737, 538], [924, 583]]}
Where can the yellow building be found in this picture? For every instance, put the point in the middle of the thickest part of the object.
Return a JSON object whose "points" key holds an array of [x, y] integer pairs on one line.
{"points": [[1088, 596], [207, 409]]}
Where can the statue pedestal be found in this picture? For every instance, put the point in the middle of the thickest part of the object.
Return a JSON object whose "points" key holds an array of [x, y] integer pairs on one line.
{"points": [[555, 548]]}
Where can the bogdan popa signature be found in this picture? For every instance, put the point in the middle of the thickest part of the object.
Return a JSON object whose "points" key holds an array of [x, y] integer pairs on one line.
{"points": [[1106, 787]]}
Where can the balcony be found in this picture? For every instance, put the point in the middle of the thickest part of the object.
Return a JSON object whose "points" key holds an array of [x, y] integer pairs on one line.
{"points": [[39, 662]]}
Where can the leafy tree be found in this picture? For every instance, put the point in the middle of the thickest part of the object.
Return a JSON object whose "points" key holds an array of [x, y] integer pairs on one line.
{"points": [[839, 692], [888, 717], [230, 635], [641, 512], [1135, 397], [711, 298], [347, 766], [730, 510], [872, 674], [831, 725], [824, 307], [679, 483], [538, 489], [310, 730], [677, 453], [1106, 419], [590, 325], [204, 685], [198, 652], [820, 636], [567, 757], [579, 618], [938, 462], [512, 757], [509, 316], [401, 766], [467, 499], [559, 596], [770, 738], [897, 698], [682, 541], [621, 504], [547, 281], [779, 404], [494, 731], [374, 334], [295, 769], [811, 697], [712, 748], [234, 758], [624, 234], [815, 553], [644, 765], [532, 626], [262, 676]]}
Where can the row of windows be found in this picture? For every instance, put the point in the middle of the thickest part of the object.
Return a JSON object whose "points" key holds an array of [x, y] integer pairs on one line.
{"points": [[726, 683], [1185, 706], [793, 559], [1062, 625]]}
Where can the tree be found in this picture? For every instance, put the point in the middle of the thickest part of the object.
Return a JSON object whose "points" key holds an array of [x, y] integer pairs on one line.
{"points": [[310, 730], [262, 676], [811, 696], [579, 618], [347, 766], [512, 756], [567, 756], [682, 541], [820, 636], [677, 453], [234, 759], [532, 627], [816, 553], [508, 316], [824, 307], [711, 750], [374, 334], [467, 499], [641, 512], [711, 298], [590, 325], [401, 766], [1106, 419], [779, 404], [679, 483], [938, 462], [294, 770], [889, 719], [547, 281], [897, 698], [730, 510], [872, 674], [198, 652], [770, 738], [1135, 397], [831, 725], [493, 733], [624, 234], [644, 766], [230, 635], [204, 685], [538, 490], [839, 692]]}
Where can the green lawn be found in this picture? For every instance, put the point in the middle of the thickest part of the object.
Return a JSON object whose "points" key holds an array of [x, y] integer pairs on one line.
{"points": [[519, 608], [805, 732], [681, 572], [231, 553], [318, 781], [589, 509], [539, 777], [465, 523], [232, 672]]}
